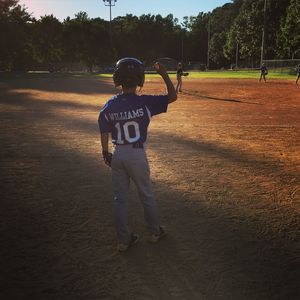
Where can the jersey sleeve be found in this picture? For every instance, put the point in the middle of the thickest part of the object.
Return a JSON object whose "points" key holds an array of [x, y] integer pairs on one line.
{"points": [[104, 124], [156, 104], [103, 119]]}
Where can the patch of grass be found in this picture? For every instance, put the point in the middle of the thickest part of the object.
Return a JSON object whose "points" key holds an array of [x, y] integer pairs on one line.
{"points": [[238, 74], [207, 74], [221, 74]]}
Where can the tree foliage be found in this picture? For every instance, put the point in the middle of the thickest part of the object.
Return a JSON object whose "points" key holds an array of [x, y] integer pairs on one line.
{"points": [[14, 35], [289, 35], [47, 39], [237, 25]]}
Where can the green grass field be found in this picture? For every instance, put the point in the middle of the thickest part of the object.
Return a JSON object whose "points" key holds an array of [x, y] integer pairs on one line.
{"points": [[193, 74], [224, 74], [238, 74]]}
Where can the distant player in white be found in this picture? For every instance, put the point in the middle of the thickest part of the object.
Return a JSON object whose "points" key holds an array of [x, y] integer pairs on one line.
{"points": [[126, 117]]}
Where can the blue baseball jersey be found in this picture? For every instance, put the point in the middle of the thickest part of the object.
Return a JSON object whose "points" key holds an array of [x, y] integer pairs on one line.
{"points": [[263, 69], [127, 116]]}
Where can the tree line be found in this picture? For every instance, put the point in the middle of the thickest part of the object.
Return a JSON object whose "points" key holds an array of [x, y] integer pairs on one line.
{"points": [[223, 35]]}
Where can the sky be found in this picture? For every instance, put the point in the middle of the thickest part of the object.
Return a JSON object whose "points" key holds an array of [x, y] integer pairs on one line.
{"points": [[96, 8]]}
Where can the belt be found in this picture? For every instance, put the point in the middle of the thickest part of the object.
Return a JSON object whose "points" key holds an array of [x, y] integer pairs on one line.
{"points": [[137, 145]]}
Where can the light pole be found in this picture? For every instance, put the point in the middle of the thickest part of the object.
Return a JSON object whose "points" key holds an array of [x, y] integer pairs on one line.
{"points": [[208, 42], [182, 43], [110, 3], [263, 35], [236, 55]]}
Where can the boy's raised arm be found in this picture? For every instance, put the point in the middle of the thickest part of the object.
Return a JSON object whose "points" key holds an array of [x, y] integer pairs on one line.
{"points": [[161, 70]]}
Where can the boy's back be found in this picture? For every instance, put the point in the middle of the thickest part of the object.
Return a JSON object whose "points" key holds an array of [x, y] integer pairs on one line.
{"points": [[127, 116]]}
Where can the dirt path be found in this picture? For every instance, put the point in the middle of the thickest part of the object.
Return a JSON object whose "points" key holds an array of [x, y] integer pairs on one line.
{"points": [[226, 172]]}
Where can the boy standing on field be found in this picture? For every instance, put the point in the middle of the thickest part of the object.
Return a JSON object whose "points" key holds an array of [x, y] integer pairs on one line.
{"points": [[263, 72], [298, 73], [125, 117], [179, 75]]}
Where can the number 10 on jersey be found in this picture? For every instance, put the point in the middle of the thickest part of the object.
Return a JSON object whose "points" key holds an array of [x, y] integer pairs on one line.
{"points": [[123, 132]]}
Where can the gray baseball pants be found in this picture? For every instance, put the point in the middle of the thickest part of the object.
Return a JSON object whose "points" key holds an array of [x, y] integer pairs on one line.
{"points": [[130, 163]]}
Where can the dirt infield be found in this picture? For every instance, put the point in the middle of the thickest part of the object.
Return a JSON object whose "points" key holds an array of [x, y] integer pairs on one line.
{"points": [[225, 163]]}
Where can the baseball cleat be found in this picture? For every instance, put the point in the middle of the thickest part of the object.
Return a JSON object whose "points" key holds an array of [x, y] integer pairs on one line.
{"points": [[134, 238], [156, 237]]}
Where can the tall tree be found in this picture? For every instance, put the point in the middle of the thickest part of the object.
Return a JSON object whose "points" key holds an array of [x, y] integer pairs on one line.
{"points": [[48, 34], [198, 38], [221, 20], [289, 35], [14, 52], [276, 11], [247, 32]]}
